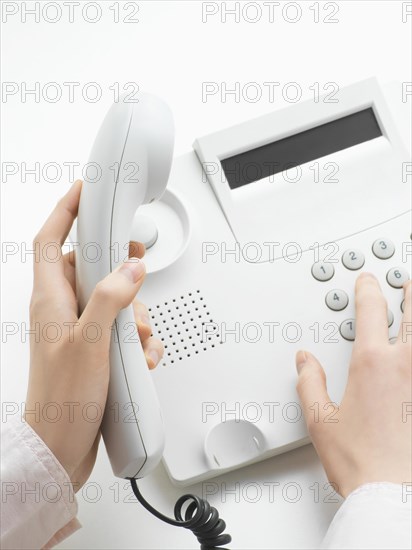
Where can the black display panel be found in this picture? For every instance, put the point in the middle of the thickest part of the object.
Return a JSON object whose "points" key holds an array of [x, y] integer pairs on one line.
{"points": [[306, 146]]}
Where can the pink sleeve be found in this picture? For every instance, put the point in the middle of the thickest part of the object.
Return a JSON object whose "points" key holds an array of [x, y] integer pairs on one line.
{"points": [[38, 503]]}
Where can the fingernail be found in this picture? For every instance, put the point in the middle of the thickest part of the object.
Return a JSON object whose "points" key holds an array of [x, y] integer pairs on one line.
{"points": [[154, 356], [133, 268], [144, 319], [76, 184], [301, 359], [365, 274]]}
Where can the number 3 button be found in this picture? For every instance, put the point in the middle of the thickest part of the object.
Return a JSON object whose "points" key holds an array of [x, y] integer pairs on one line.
{"points": [[383, 249], [337, 299]]}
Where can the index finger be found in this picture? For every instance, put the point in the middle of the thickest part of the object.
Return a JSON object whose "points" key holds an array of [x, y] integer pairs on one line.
{"points": [[371, 311], [48, 258]]}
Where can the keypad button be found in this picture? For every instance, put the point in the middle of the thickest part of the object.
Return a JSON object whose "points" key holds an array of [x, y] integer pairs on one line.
{"points": [[347, 329], [336, 299], [353, 259], [390, 318], [323, 271], [383, 249], [397, 277], [402, 305]]}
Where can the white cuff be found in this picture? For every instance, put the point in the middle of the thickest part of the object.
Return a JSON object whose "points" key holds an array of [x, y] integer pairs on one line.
{"points": [[374, 516]]}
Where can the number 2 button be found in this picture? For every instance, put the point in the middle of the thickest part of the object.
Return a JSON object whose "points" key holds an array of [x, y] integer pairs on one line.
{"points": [[353, 259]]}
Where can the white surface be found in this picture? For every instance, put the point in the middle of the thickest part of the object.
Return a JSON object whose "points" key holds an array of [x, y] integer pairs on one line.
{"points": [[171, 52]]}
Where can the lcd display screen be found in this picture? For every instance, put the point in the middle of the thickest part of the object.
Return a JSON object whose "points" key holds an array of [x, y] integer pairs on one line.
{"points": [[306, 146]]}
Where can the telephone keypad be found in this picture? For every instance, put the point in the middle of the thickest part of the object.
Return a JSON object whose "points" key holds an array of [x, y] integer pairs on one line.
{"points": [[354, 259]]}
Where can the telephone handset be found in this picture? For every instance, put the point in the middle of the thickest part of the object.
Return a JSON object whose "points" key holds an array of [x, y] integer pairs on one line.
{"points": [[132, 156]]}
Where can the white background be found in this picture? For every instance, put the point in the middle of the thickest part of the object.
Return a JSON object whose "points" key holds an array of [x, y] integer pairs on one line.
{"points": [[171, 52]]}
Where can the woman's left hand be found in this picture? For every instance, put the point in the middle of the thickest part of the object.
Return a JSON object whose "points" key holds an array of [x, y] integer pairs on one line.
{"points": [[69, 369]]}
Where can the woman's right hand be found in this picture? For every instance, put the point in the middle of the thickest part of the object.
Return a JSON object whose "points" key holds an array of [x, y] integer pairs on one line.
{"points": [[368, 438]]}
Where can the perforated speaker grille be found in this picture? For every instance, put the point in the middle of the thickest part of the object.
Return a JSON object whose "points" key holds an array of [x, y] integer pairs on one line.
{"points": [[185, 326]]}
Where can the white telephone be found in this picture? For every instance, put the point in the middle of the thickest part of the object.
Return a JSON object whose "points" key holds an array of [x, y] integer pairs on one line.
{"points": [[252, 253], [261, 234]]}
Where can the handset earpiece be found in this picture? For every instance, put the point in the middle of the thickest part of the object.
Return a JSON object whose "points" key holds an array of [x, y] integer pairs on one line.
{"points": [[129, 165]]}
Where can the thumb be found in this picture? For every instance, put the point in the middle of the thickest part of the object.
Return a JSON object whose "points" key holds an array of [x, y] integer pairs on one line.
{"points": [[311, 388], [113, 293]]}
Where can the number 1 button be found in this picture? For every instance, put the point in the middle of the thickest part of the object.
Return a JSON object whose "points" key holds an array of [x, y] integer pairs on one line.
{"points": [[323, 271]]}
